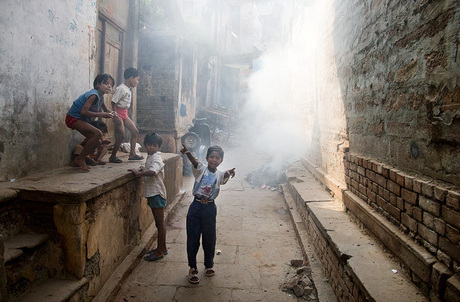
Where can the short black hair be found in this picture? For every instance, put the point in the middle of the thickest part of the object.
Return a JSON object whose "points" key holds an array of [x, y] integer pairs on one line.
{"points": [[217, 149], [99, 125], [152, 139], [131, 72], [102, 78]]}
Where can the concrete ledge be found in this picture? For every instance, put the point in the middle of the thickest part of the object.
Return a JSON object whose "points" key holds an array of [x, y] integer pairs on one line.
{"points": [[415, 257], [357, 268]]}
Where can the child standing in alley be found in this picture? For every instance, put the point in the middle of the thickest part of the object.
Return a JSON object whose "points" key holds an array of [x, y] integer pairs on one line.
{"points": [[121, 101], [85, 110], [201, 216], [154, 191]]}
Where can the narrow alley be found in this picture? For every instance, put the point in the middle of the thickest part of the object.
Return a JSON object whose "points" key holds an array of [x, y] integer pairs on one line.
{"points": [[255, 245]]}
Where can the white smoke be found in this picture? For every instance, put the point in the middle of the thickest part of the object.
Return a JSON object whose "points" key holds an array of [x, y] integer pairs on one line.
{"points": [[270, 118]]}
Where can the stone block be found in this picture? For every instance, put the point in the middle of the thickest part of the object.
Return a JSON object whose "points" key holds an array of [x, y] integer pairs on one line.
{"points": [[452, 289], [393, 187], [439, 276], [409, 196], [429, 205], [428, 234], [409, 222], [453, 200], [450, 248], [451, 217]]}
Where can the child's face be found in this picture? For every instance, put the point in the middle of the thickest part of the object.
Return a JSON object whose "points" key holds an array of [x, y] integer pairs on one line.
{"points": [[132, 82], [214, 160], [152, 149], [105, 87]]}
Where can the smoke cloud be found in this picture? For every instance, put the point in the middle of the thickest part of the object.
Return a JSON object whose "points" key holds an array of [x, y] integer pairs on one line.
{"points": [[270, 118]]}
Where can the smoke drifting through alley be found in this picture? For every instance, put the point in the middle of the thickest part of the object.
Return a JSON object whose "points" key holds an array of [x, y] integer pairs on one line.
{"points": [[270, 118]]}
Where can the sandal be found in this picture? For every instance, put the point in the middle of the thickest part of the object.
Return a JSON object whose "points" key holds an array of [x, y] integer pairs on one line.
{"points": [[153, 252], [137, 157], [209, 272], [193, 276], [153, 257], [115, 160]]}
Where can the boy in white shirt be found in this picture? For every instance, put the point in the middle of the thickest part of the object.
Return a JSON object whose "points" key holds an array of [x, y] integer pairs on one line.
{"points": [[121, 101], [154, 191]]}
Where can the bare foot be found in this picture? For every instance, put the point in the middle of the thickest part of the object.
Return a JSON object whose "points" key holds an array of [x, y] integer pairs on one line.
{"points": [[100, 162], [90, 161], [80, 163]]}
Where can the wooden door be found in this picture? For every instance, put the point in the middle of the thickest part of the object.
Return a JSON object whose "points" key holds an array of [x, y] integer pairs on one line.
{"points": [[110, 59]]}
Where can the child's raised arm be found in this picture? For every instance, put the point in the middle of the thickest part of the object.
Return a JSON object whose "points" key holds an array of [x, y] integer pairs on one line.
{"points": [[190, 156]]}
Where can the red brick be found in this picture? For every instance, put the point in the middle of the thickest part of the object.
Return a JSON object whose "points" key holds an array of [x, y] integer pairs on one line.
{"points": [[400, 203], [381, 181], [453, 234], [408, 182], [370, 174], [429, 205], [428, 234], [440, 194], [417, 214], [394, 211], [393, 174], [393, 199], [417, 186], [427, 189], [394, 187], [451, 217], [410, 223], [453, 200], [409, 196], [450, 248], [400, 179]]}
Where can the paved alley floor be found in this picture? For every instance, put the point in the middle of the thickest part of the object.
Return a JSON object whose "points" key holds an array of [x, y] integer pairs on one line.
{"points": [[254, 234]]}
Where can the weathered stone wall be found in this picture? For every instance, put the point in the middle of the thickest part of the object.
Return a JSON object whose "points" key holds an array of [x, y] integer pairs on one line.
{"points": [[400, 83], [48, 54]]}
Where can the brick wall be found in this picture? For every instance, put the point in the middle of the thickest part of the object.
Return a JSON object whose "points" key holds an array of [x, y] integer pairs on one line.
{"points": [[427, 210]]}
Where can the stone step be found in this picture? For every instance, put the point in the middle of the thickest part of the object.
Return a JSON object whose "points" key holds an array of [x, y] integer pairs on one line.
{"points": [[357, 267], [53, 290], [14, 246]]}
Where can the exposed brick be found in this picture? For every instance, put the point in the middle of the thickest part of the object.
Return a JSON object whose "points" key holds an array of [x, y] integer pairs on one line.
{"points": [[452, 289], [394, 211], [410, 223], [453, 234], [428, 234], [371, 195], [408, 182], [429, 205], [386, 195], [450, 248], [400, 203], [386, 172], [417, 214], [453, 200], [400, 179], [393, 199], [440, 194], [361, 171], [409, 196], [393, 174], [370, 174], [362, 189], [427, 189], [365, 163], [428, 220], [451, 217], [417, 186], [440, 226], [408, 209], [394, 187], [440, 274], [381, 181]]}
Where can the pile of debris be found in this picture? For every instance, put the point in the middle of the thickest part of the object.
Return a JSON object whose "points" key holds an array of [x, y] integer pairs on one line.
{"points": [[300, 282], [267, 177]]}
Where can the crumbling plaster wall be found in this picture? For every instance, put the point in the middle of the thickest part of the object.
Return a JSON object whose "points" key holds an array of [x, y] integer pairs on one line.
{"points": [[48, 54], [383, 77]]}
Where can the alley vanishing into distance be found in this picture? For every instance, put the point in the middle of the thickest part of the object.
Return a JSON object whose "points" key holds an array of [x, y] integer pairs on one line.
{"points": [[256, 243]]}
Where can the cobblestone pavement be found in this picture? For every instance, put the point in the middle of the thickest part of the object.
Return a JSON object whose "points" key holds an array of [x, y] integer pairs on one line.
{"points": [[254, 234]]}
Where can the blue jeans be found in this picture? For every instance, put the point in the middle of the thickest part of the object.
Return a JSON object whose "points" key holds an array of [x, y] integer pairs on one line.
{"points": [[201, 222]]}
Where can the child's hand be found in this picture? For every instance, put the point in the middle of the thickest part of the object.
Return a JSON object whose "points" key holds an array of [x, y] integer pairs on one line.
{"points": [[184, 150], [231, 172], [107, 114], [134, 171]]}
